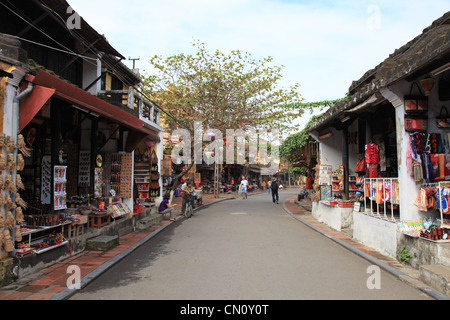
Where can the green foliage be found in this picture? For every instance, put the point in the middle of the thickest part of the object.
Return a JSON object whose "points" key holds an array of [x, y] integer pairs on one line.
{"points": [[404, 256], [223, 91], [296, 141]]}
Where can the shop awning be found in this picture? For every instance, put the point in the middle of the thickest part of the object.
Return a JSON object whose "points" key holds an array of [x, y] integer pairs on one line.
{"points": [[31, 104], [85, 101]]}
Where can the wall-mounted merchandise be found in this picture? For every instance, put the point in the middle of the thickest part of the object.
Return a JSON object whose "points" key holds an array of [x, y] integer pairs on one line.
{"points": [[416, 123], [443, 120], [60, 188], [416, 103]]}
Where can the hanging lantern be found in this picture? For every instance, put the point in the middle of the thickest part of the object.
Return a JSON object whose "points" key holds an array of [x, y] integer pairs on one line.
{"points": [[210, 135], [427, 85]]}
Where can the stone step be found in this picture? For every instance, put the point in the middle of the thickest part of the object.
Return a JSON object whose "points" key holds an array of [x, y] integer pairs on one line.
{"points": [[149, 222], [102, 243], [436, 276]]}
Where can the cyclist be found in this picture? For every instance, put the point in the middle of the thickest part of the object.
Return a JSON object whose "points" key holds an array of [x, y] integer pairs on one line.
{"points": [[187, 189]]}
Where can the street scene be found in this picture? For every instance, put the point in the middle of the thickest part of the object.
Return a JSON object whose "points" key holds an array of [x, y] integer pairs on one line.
{"points": [[179, 151], [243, 250]]}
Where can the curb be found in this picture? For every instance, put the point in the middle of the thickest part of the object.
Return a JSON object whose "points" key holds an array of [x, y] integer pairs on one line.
{"points": [[67, 293], [396, 273]]}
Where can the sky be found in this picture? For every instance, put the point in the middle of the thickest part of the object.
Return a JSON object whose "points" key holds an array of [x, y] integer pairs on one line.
{"points": [[322, 45]]}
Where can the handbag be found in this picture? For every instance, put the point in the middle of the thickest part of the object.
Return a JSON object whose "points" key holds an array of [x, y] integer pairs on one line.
{"points": [[137, 156], [443, 121], [416, 103], [154, 158], [361, 166], [416, 123], [154, 185], [155, 176], [444, 88]]}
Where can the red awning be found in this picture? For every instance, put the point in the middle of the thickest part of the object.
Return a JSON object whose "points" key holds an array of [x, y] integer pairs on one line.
{"points": [[32, 103], [84, 100]]}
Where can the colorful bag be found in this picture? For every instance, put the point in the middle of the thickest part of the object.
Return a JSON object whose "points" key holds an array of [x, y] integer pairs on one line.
{"points": [[416, 103], [361, 166], [443, 121], [416, 123]]}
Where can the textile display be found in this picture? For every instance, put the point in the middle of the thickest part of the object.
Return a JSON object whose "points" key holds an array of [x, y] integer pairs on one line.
{"points": [[382, 191]]}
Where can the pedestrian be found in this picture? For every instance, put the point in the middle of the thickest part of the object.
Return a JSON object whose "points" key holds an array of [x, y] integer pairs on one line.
{"points": [[244, 188], [166, 207], [187, 190], [269, 186], [274, 187]]}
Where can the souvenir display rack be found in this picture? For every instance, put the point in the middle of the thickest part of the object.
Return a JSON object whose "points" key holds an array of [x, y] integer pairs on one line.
{"points": [[382, 191], [60, 188]]}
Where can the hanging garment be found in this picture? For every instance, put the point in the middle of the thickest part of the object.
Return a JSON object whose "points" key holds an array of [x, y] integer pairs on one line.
{"points": [[387, 191], [417, 172], [372, 154], [372, 170], [409, 160], [442, 199], [428, 168], [380, 191], [395, 194], [417, 146]]}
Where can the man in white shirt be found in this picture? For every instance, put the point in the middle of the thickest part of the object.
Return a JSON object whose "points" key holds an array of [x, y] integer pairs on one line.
{"points": [[244, 187]]}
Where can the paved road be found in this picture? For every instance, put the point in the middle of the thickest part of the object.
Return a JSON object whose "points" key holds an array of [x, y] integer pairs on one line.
{"points": [[243, 250]]}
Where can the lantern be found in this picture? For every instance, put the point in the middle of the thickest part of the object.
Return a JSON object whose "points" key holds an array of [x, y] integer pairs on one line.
{"points": [[427, 85]]}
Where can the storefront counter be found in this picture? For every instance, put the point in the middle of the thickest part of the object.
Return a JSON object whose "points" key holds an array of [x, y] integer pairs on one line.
{"points": [[332, 214]]}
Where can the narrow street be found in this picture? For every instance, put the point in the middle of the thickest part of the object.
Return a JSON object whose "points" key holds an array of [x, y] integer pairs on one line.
{"points": [[242, 250]]}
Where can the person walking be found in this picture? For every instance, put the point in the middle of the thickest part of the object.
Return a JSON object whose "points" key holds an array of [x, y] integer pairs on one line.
{"points": [[244, 188], [165, 207], [274, 187]]}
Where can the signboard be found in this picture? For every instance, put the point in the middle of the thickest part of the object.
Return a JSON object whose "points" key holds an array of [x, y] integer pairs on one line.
{"points": [[325, 172]]}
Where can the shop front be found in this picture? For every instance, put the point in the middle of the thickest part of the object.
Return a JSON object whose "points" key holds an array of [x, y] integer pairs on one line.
{"points": [[383, 151], [78, 169]]}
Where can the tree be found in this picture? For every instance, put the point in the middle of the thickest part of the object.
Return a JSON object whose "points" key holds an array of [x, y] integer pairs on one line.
{"points": [[221, 91]]}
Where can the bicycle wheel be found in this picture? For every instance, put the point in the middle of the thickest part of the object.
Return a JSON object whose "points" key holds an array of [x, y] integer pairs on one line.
{"points": [[188, 211]]}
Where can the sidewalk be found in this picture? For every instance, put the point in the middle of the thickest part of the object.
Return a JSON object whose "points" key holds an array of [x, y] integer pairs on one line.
{"points": [[404, 273], [51, 283]]}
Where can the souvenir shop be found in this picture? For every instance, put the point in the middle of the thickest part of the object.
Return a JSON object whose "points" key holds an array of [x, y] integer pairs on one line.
{"points": [[430, 168], [372, 164], [78, 172]]}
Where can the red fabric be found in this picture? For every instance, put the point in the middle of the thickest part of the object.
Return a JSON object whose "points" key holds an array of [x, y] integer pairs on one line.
{"points": [[372, 154]]}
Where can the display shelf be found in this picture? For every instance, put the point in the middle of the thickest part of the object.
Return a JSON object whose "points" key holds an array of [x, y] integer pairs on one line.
{"points": [[40, 251], [25, 246]]}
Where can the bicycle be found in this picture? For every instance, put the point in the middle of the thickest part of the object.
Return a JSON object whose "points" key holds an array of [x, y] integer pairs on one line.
{"points": [[189, 209]]}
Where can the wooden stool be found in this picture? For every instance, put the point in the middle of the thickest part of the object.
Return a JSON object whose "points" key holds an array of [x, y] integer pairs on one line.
{"points": [[100, 220]]}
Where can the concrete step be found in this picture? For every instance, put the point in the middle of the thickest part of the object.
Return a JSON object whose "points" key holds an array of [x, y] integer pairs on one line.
{"points": [[444, 253], [149, 222], [102, 243], [436, 276]]}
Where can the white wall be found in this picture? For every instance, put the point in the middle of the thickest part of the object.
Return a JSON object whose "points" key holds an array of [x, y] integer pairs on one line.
{"points": [[331, 150]]}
